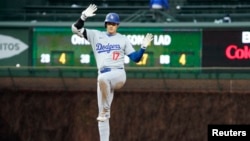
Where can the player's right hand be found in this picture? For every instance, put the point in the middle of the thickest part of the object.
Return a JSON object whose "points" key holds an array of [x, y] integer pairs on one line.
{"points": [[89, 12]]}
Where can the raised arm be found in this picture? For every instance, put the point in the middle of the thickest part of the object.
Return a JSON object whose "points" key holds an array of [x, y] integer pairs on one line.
{"points": [[137, 55], [77, 27]]}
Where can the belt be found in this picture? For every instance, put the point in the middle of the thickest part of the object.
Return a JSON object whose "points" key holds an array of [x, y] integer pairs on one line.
{"points": [[103, 70]]}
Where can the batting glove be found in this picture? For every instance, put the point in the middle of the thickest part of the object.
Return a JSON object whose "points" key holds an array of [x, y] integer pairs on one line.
{"points": [[147, 40], [77, 31], [89, 12]]}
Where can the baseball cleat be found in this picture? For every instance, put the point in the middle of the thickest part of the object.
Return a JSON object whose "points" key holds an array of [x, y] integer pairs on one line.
{"points": [[101, 118]]}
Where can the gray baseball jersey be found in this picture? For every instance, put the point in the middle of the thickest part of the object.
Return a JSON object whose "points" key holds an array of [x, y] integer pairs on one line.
{"points": [[109, 50]]}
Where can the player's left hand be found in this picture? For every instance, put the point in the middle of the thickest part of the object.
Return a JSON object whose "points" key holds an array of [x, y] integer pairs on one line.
{"points": [[147, 40], [89, 12]]}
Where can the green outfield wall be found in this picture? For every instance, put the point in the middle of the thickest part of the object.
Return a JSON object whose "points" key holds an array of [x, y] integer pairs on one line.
{"points": [[198, 50]]}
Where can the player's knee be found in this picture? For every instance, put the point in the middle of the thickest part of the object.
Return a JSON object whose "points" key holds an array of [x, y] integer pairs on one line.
{"points": [[103, 84], [119, 85]]}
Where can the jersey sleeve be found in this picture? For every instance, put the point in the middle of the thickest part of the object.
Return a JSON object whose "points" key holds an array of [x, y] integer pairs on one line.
{"points": [[91, 34], [128, 47], [136, 55]]}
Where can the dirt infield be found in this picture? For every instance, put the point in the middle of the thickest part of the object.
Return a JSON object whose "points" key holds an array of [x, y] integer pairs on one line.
{"points": [[135, 116], [46, 109]]}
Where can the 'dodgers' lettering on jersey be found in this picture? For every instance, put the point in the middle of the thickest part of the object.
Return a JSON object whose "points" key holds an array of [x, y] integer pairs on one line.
{"points": [[10, 46], [107, 48]]}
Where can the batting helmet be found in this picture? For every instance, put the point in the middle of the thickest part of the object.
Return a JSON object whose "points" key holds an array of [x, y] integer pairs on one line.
{"points": [[112, 18]]}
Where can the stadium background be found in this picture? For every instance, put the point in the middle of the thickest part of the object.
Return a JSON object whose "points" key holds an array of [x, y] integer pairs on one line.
{"points": [[157, 103]]}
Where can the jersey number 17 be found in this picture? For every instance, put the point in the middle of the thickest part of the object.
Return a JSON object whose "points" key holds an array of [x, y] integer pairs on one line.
{"points": [[116, 55]]}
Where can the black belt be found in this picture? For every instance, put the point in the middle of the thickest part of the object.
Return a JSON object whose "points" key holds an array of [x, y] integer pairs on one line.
{"points": [[103, 70]]}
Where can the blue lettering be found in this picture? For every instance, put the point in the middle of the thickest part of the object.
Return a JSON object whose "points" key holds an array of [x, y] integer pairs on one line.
{"points": [[107, 48]]}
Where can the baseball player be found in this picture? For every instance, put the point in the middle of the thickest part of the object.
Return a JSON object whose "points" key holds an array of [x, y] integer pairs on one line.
{"points": [[109, 49]]}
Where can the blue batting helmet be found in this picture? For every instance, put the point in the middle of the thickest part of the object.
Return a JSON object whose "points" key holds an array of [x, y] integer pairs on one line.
{"points": [[112, 18]]}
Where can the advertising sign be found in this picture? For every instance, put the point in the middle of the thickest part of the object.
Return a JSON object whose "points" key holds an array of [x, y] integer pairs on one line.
{"points": [[14, 47], [226, 48]]}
